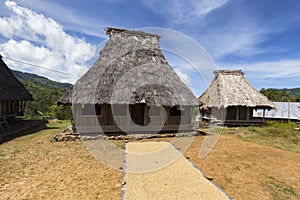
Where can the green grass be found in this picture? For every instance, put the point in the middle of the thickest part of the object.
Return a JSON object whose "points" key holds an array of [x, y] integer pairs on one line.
{"points": [[274, 134], [24, 143], [279, 190], [2, 153], [50, 126]]}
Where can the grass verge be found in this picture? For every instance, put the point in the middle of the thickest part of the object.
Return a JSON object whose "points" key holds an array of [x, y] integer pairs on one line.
{"points": [[279, 190], [274, 134]]}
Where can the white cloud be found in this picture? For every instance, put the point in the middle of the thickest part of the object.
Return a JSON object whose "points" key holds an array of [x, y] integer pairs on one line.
{"points": [[276, 69], [281, 73], [184, 77], [43, 42], [73, 19], [182, 11]]}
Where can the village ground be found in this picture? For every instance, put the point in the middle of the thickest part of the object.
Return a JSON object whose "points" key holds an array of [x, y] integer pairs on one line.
{"points": [[31, 167]]}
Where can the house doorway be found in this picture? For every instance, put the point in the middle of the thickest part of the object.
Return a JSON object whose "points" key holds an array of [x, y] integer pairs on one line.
{"points": [[137, 113]]}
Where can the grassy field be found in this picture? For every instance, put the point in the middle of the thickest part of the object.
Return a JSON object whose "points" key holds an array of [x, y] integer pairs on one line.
{"points": [[274, 134], [244, 163]]}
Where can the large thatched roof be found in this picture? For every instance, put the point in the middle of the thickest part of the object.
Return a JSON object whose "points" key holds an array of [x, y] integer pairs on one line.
{"points": [[230, 88], [132, 69], [10, 87]]}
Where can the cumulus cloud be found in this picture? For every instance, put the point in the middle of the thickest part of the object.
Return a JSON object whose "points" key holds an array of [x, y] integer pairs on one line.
{"points": [[182, 11], [184, 77], [34, 38]]}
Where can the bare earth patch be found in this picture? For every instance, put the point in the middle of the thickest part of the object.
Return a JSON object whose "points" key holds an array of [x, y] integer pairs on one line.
{"points": [[250, 171], [31, 167]]}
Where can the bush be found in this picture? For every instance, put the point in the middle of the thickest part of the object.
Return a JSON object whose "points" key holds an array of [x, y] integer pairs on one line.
{"points": [[60, 112]]}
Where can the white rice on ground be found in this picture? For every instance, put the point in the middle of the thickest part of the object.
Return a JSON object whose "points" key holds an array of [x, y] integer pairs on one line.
{"points": [[156, 170]]}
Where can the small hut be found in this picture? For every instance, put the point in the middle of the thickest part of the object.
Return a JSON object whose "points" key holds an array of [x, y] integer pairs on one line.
{"points": [[131, 87], [231, 99], [13, 95], [66, 98]]}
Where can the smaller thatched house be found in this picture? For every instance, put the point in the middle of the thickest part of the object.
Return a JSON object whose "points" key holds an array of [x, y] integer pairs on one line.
{"points": [[231, 99], [66, 98], [131, 87], [13, 95]]}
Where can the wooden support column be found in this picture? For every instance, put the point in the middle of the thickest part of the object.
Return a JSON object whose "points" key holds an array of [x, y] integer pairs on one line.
{"points": [[248, 113], [146, 115], [237, 113], [71, 115]]}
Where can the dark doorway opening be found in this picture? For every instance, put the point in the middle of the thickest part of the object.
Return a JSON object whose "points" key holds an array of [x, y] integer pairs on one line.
{"points": [[137, 113]]}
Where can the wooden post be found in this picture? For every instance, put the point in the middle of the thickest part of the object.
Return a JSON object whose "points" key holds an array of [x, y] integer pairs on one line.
{"points": [[237, 113], [248, 113], [71, 114], [146, 114], [264, 112]]}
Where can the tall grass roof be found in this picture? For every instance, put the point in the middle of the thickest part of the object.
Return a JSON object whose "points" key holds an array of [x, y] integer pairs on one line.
{"points": [[230, 88], [132, 69]]}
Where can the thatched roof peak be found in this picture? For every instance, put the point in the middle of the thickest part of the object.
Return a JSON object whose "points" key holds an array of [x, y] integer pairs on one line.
{"points": [[230, 88], [111, 31], [131, 69], [227, 72]]}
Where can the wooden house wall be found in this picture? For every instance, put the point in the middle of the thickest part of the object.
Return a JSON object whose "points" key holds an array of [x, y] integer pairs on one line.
{"points": [[107, 119], [230, 113], [9, 107]]}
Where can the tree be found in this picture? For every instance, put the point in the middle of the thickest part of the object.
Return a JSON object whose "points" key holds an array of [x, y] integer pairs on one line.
{"points": [[297, 98], [60, 112], [276, 95]]}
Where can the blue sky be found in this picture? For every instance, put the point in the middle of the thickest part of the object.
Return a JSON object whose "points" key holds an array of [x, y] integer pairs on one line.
{"points": [[259, 37]]}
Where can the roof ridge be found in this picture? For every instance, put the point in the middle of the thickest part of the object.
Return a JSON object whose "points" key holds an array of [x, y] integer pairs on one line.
{"points": [[114, 30]]}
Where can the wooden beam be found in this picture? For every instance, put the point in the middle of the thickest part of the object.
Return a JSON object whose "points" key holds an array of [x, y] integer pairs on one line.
{"points": [[237, 117]]}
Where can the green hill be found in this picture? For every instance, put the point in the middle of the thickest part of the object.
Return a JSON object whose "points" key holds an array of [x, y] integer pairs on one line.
{"points": [[294, 91], [40, 80], [282, 95], [45, 93]]}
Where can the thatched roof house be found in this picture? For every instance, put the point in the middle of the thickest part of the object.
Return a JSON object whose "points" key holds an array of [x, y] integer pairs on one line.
{"points": [[13, 94], [66, 98], [131, 70], [231, 97]]}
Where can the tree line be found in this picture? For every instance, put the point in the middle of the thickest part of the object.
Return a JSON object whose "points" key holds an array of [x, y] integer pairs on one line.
{"points": [[44, 101], [282, 95]]}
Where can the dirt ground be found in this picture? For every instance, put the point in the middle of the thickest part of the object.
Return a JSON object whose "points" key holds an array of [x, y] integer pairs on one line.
{"points": [[250, 171], [31, 167]]}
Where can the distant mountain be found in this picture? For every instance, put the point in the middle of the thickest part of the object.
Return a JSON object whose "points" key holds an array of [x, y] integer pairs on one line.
{"points": [[40, 80], [45, 93], [293, 91]]}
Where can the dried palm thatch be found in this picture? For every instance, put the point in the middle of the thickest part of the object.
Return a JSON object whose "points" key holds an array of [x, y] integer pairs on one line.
{"points": [[132, 69], [230, 88], [10, 88], [66, 98]]}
